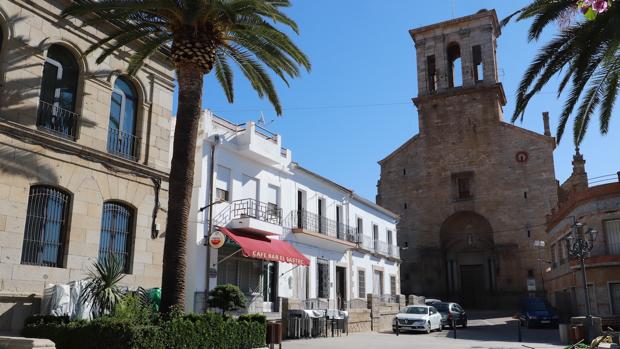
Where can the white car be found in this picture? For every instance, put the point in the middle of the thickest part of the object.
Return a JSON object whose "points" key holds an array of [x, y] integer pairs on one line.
{"points": [[417, 318]]}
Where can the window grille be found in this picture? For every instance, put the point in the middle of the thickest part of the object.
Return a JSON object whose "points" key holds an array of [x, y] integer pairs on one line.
{"points": [[116, 227], [46, 226], [393, 285]]}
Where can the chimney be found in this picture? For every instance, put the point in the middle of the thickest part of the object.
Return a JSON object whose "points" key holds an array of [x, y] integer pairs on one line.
{"points": [[546, 123]]}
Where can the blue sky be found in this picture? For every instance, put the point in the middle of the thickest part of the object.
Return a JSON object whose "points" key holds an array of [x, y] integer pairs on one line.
{"points": [[354, 107]]}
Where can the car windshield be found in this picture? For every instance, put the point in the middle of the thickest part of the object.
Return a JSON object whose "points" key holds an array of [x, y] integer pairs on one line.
{"points": [[442, 307], [415, 310], [536, 306]]}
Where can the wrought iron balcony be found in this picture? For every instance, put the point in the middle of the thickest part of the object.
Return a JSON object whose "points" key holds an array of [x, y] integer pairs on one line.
{"points": [[123, 144], [379, 247], [250, 208], [56, 120], [315, 223]]}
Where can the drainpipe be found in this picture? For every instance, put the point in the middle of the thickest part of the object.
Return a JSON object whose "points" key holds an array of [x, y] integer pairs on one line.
{"points": [[216, 141]]}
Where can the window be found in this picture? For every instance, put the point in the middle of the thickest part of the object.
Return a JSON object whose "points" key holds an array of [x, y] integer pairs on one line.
{"points": [[116, 234], [478, 70], [378, 283], [463, 187], [273, 203], [360, 227], [221, 195], [301, 206], [321, 220], [614, 294], [222, 184], [455, 75], [431, 72], [462, 183], [375, 236], [46, 226], [391, 248], [339, 225], [361, 280], [56, 113], [323, 278], [612, 229], [122, 140], [393, 285]]}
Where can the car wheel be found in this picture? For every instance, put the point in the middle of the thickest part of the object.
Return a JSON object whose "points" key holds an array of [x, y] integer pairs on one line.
{"points": [[528, 324], [428, 327], [440, 327], [465, 323]]}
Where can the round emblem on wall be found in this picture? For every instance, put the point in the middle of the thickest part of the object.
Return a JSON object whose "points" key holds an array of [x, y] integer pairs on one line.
{"points": [[217, 239], [522, 157]]}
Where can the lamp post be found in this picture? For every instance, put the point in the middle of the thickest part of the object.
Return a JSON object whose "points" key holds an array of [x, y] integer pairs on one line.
{"points": [[579, 246]]}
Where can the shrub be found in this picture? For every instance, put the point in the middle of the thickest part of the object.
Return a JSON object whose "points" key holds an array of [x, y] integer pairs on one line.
{"points": [[209, 330], [102, 289], [226, 297], [133, 309], [260, 318]]}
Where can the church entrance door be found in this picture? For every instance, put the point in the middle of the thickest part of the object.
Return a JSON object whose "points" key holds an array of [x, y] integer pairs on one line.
{"points": [[472, 285]]}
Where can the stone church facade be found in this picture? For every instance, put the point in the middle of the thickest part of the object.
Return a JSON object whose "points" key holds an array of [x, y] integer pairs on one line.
{"points": [[472, 191]]}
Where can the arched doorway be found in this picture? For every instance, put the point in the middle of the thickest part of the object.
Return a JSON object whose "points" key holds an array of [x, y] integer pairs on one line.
{"points": [[469, 254]]}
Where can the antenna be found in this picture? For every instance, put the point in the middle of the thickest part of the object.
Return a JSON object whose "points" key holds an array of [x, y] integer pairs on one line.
{"points": [[261, 119], [453, 7]]}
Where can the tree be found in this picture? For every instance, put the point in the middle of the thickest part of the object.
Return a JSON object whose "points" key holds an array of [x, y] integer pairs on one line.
{"points": [[226, 297], [102, 289], [198, 36], [585, 54]]}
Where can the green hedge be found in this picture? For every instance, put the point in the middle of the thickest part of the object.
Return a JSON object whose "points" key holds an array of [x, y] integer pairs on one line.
{"points": [[209, 331]]}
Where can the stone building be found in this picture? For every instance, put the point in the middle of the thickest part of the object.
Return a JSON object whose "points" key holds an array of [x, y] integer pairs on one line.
{"points": [[472, 191], [595, 207], [83, 157]]}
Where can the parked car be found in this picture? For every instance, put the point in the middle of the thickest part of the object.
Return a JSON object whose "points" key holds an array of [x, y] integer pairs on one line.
{"points": [[451, 311], [537, 312], [431, 301], [417, 318]]}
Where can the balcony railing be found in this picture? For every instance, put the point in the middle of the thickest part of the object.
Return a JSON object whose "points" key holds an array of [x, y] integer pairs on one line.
{"points": [[250, 208], [56, 120], [123, 144], [394, 251], [320, 224], [380, 247]]}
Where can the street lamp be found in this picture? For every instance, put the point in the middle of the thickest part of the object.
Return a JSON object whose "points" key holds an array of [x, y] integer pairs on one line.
{"points": [[579, 246]]}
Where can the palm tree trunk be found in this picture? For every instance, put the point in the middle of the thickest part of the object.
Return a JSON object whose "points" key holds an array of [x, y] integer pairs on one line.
{"points": [[190, 79]]}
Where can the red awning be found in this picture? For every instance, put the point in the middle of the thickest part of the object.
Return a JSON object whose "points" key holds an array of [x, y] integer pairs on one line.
{"points": [[261, 247]]}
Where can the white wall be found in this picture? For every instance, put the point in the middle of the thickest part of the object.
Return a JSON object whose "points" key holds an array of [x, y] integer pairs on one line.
{"points": [[234, 154]]}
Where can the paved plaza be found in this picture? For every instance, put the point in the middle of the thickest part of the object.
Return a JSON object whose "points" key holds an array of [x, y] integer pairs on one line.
{"points": [[485, 331]]}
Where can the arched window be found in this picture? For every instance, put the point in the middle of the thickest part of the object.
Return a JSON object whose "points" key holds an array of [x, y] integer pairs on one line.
{"points": [[455, 73], [116, 233], [58, 93], [122, 140], [46, 226]]}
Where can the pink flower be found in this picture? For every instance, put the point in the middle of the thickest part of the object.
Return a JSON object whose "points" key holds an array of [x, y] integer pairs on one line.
{"points": [[600, 6]]}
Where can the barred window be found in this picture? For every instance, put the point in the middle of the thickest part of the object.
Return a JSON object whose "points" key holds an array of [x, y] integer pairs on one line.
{"points": [[116, 233], [46, 226]]}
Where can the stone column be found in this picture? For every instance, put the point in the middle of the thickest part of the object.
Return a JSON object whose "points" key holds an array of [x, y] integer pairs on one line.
{"points": [[375, 315], [284, 315]]}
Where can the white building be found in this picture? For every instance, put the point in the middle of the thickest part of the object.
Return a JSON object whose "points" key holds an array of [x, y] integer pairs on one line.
{"points": [[320, 243]]}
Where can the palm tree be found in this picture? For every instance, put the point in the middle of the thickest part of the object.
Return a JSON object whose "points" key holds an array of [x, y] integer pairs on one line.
{"points": [[198, 36], [102, 290], [585, 53]]}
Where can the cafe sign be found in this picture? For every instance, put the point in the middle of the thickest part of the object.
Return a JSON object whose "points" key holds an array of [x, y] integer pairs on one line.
{"points": [[217, 239]]}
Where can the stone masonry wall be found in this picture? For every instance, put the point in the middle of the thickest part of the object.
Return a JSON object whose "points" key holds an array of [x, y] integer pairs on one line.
{"points": [[462, 131], [84, 168]]}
